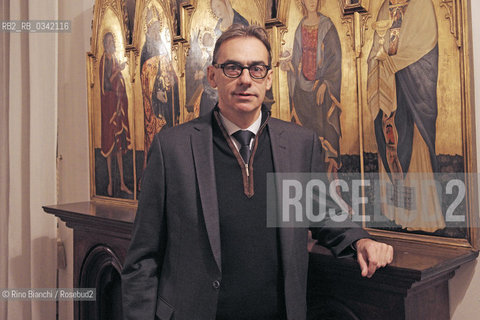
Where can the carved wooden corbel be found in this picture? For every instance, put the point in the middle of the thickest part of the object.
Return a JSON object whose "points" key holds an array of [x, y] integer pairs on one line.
{"points": [[453, 10]]}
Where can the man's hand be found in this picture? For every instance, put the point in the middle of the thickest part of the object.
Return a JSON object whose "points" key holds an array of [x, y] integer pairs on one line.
{"points": [[372, 255]]}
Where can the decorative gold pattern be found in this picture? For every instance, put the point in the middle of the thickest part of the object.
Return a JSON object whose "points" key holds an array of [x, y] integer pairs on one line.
{"points": [[363, 27], [356, 30], [348, 8], [125, 20], [348, 21], [132, 57], [283, 31], [451, 15]]}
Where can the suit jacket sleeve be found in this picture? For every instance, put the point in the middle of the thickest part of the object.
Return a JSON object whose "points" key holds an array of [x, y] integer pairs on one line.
{"points": [[147, 248], [337, 236]]}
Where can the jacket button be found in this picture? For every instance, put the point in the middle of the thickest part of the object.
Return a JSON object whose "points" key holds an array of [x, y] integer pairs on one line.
{"points": [[216, 284]]}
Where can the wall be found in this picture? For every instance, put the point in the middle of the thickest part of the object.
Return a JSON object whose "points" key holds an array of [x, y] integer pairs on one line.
{"points": [[4, 157], [73, 167], [31, 148]]}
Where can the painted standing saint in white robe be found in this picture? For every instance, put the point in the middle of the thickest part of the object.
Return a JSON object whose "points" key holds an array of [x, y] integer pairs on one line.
{"points": [[402, 97]]}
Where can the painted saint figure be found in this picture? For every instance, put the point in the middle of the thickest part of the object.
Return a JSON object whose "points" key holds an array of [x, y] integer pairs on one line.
{"points": [[159, 82], [201, 98], [314, 80], [114, 115], [402, 97]]}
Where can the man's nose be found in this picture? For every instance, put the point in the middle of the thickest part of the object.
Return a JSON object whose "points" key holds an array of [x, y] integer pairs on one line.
{"points": [[245, 76]]}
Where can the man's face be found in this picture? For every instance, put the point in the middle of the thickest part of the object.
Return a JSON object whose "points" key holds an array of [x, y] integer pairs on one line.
{"points": [[244, 95]]}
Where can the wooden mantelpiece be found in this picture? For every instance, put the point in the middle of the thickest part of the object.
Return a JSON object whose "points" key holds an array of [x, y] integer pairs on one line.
{"points": [[115, 219], [414, 286], [101, 234]]}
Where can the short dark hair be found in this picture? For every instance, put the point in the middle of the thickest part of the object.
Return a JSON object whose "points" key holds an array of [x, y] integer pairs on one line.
{"points": [[240, 30]]}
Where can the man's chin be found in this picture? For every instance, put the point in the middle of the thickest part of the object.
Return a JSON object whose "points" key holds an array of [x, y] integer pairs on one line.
{"points": [[247, 107]]}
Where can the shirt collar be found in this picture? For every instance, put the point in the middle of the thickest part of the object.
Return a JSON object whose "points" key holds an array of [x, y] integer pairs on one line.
{"points": [[232, 127]]}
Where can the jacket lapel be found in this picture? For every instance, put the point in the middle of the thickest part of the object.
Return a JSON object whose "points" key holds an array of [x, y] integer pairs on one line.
{"points": [[279, 147], [281, 163], [202, 146]]}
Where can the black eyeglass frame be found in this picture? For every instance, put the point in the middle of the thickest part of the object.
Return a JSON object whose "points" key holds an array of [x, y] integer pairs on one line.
{"points": [[223, 65]]}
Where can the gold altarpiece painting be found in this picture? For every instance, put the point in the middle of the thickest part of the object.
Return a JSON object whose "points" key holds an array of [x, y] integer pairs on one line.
{"points": [[386, 84]]}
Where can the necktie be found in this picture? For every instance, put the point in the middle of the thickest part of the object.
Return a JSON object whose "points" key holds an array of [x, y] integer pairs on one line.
{"points": [[244, 137]]}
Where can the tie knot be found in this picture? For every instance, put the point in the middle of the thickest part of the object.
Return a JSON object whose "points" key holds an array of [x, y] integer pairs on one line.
{"points": [[244, 137]]}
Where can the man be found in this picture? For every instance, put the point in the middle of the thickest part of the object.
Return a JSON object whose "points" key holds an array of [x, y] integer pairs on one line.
{"points": [[200, 246]]}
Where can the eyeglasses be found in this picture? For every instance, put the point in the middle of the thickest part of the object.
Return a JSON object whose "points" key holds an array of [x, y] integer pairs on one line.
{"points": [[234, 70]]}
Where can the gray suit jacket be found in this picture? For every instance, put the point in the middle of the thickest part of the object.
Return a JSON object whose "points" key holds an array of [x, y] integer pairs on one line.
{"points": [[173, 267]]}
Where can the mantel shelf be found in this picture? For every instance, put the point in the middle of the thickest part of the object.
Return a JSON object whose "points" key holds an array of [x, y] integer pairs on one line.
{"points": [[116, 219], [415, 261], [413, 286]]}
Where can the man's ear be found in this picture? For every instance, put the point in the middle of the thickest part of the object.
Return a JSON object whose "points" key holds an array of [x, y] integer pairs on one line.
{"points": [[211, 76], [269, 79]]}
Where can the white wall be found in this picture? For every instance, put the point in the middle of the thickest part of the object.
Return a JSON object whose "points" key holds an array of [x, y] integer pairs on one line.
{"points": [[32, 140], [73, 163]]}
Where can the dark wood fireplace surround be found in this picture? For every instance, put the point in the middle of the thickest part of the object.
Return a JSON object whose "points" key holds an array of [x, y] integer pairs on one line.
{"points": [[414, 286]]}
